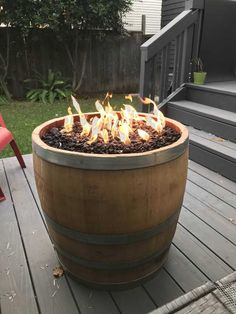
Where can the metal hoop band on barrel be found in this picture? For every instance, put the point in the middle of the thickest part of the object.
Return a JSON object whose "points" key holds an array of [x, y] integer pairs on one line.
{"points": [[111, 238], [118, 265]]}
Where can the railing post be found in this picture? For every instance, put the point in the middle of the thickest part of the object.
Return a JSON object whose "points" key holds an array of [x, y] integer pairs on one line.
{"points": [[145, 73], [197, 34], [187, 54], [190, 5], [164, 72]]}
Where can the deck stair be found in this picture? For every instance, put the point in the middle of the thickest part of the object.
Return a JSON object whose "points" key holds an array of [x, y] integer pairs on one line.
{"points": [[210, 113]]}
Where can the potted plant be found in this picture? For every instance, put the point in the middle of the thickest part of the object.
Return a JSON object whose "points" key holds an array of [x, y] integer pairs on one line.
{"points": [[199, 75]]}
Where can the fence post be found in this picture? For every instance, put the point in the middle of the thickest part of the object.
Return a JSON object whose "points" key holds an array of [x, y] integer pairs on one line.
{"points": [[143, 24]]}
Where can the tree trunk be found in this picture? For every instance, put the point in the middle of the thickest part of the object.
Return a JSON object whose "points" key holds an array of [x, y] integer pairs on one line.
{"points": [[78, 68]]}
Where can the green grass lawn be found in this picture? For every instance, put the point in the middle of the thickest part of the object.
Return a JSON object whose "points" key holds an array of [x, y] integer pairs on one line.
{"points": [[22, 117]]}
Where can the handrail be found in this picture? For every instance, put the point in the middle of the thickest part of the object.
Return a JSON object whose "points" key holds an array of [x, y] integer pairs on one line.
{"points": [[180, 36], [169, 33]]}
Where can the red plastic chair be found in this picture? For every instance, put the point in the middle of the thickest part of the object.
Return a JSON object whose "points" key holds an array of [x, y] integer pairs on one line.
{"points": [[6, 138]]}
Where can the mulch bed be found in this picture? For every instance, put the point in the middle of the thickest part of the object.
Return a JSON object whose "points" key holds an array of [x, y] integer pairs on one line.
{"points": [[74, 142]]}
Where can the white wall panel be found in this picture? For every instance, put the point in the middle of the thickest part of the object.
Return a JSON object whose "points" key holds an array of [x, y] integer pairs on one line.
{"points": [[152, 10]]}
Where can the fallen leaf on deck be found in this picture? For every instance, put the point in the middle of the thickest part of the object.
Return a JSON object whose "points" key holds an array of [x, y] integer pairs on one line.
{"points": [[58, 271], [217, 139]]}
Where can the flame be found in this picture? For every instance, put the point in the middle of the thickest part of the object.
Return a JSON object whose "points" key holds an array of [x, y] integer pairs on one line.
{"points": [[129, 97], [144, 135], [109, 124], [106, 99], [114, 128], [105, 136], [100, 108], [85, 125], [160, 123], [76, 104], [147, 101], [124, 133], [68, 122], [160, 116]]}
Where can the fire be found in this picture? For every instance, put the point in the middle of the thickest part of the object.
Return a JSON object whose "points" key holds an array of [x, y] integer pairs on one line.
{"points": [[69, 121], [109, 124], [144, 135], [124, 133]]}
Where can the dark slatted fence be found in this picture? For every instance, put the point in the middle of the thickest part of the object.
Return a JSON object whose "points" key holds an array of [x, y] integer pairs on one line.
{"points": [[111, 62]]}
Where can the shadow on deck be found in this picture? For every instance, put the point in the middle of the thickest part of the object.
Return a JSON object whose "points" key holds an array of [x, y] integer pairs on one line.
{"points": [[203, 249]]}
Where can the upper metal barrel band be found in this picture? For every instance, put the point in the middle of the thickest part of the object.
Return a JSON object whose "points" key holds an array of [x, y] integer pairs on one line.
{"points": [[112, 265], [109, 162], [110, 239]]}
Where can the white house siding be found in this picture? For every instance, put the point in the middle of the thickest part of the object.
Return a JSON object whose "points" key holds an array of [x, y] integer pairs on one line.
{"points": [[152, 10]]}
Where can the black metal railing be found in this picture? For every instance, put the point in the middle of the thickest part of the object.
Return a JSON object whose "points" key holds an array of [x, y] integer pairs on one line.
{"points": [[166, 57]]}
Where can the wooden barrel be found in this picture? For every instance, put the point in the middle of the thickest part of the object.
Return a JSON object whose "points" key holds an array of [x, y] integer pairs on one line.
{"points": [[111, 217]]}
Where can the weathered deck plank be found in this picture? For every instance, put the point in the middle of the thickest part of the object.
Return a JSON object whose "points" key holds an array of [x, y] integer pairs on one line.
{"points": [[209, 264], [203, 248], [92, 301], [162, 288], [210, 237], [16, 290], [52, 298], [213, 176], [133, 301], [211, 201], [183, 271], [206, 213], [213, 188]]}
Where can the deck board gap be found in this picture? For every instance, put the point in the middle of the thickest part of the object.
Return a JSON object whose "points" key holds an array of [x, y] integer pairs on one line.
{"points": [[23, 243], [173, 278], [214, 187], [35, 200], [206, 204], [213, 176], [212, 251], [210, 179], [150, 296], [114, 301], [202, 188], [208, 224], [72, 293], [191, 261]]}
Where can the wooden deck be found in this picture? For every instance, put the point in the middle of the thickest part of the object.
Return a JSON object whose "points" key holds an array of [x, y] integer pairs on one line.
{"points": [[204, 248]]}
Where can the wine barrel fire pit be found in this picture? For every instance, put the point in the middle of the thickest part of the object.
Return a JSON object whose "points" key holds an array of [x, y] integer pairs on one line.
{"points": [[111, 217]]}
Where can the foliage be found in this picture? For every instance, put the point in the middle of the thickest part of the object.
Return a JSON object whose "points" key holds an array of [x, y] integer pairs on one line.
{"points": [[198, 64], [63, 16], [51, 89]]}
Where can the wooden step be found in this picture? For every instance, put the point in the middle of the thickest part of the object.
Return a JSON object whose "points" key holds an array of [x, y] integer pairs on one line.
{"points": [[213, 152], [218, 121], [212, 95]]}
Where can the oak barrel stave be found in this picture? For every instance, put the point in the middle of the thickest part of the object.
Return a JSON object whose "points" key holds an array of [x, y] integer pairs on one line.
{"points": [[112, 205]]}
